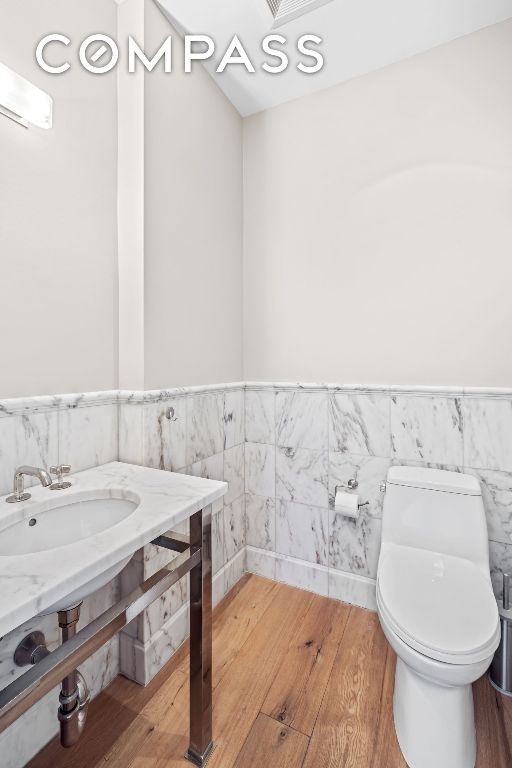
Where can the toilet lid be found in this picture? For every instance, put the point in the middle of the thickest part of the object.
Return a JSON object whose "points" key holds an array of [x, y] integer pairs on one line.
{"points": [[440, 605]]}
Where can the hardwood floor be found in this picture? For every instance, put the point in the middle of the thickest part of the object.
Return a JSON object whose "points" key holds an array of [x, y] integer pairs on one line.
{"points": [[300, 681]]}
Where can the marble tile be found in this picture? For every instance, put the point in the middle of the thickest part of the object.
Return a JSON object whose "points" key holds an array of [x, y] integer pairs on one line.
{"points": [[234, 471], [353, 589], [427, 429], [218, 588], [233, 571], [302, 532], [301, 475], [28, 439], [260, 416], [260, 478], [487, 433], [301, 420], [354, 545], [142, 661], [260, 562], [360, 423], [303, 575], [234, 428], [165, 439], [369, 471], [234, 528], [130, 433], [48, 625], [500, 556], [211, 468], [497, 496], [88, 436], [260, 521], [205, 426], [29, 734]]}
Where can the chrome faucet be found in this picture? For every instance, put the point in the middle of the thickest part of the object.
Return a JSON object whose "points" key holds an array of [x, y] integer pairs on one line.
{"points": [[19, 493]]}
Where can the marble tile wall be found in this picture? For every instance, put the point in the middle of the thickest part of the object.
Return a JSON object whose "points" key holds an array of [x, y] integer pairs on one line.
{"points": [[80, 430], [200, 433], [304, 440]]}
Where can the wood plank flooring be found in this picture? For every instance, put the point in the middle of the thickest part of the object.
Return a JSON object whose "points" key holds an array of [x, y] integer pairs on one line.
{"points": [[300, 681]]}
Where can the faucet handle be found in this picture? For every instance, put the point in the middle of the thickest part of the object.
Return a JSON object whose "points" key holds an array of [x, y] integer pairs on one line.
{"points": [[60, 470]]}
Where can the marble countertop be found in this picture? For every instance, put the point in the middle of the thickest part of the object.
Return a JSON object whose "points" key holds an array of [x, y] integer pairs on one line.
{"points": [[31, 583]]}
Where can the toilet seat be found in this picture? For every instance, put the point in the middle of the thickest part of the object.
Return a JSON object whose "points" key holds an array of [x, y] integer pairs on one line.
{"points": [[439, 605]]}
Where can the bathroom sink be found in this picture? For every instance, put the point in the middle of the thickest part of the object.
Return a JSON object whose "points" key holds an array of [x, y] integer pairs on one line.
{"points": [[62, 525], [67, 522]]}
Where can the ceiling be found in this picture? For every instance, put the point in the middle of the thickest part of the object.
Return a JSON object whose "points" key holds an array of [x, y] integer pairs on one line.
{"points": [[359, 36]]}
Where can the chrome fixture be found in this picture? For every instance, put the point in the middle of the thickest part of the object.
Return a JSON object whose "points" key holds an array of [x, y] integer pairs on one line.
{"points": [[59, 665], [500, 673], [169, 414], [352, 485], [60, 484], [31, 650], [74, 694], [19, 493]]}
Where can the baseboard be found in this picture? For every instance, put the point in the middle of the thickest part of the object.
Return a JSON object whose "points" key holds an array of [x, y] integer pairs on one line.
{"points": [[340, 585]]}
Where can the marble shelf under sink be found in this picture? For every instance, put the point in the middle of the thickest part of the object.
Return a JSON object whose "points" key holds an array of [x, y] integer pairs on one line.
{"points": [[34, 582]]}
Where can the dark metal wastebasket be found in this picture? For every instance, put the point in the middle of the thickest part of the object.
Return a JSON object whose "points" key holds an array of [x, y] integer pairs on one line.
{"points": [[500, 673]]}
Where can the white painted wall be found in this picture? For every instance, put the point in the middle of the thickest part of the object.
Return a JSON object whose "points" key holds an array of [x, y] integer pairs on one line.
{"points": [[378, 225], [193, 224], [58, 234]]}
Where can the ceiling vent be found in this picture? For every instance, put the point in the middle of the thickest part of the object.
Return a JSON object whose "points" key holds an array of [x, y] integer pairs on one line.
{"points": [[287, 10]]}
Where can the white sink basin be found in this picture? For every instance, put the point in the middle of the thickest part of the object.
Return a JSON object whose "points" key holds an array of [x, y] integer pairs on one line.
{"points": [[67, 522], [59, 526]]}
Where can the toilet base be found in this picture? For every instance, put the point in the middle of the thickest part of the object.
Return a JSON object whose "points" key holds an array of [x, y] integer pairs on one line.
{"points": [[435, 724]]}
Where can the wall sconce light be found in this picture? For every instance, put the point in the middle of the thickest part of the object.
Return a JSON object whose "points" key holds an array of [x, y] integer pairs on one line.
{"points": [[23, 102]]}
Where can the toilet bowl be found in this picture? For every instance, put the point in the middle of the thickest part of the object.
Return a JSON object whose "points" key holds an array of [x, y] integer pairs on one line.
{"points": [[437, 611]]}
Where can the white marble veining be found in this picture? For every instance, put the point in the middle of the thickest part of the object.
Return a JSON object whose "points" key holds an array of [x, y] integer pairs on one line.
{"points": [[31, 583], [218, 560], [205, 426], [234, 528], [353, 589], [211, 468], [32, 438], [234, 428], [487, 434], [260, 469], [369, 471], [301, 420], [260, 521], [497, 495], [165, 439], [260, 416], [302, 532], [359, 423], [131, 433], [234, 570], [261, 562], [354, 545], [88, 436], [234, 471], [301, 475], [427, 429]]}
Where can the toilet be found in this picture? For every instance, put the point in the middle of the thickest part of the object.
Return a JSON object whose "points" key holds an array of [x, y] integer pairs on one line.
{"points": [[437, 610]]}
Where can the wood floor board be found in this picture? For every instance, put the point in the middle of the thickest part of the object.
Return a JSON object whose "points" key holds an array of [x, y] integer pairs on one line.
{"points": [[270, 683], [297, 691], [271, 744], [345, 730]]}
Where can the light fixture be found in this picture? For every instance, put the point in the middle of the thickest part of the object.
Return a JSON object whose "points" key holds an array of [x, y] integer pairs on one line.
{"points": [[23, 102], [287, 10]]}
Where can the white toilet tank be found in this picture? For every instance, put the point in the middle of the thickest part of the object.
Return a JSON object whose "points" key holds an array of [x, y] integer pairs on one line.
{"points": [[436, 510]]}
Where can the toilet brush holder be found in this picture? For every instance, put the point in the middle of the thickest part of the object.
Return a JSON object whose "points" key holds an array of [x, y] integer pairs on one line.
{"points": [[500, 673]]}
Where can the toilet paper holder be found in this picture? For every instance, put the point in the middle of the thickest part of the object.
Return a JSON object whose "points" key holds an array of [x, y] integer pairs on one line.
{"points": [[352, 485]]}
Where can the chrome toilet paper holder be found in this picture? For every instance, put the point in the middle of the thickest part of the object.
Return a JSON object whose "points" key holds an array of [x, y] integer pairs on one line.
{"points": [[352, 485]]}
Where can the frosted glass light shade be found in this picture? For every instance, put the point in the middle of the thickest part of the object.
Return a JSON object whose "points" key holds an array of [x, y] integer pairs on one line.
{"points": [[24, 102]]}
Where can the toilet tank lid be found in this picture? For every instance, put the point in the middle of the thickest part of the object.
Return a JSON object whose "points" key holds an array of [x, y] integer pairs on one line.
{"points": [[434, 480]]}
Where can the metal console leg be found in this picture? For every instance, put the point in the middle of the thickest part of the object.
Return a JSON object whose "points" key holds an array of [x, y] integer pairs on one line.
{"points": [[201, 744]]}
